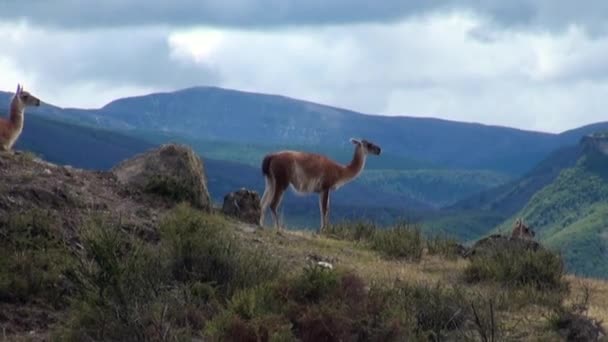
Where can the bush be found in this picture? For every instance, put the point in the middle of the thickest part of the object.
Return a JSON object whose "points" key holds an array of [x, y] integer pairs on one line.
{"points": [[400, 241], [120, 282], [170, 188], [34, 260], [201, 249], [314, 284], [252, 314], [541, 269], [435, 309], [328, 305], [132, 290]]}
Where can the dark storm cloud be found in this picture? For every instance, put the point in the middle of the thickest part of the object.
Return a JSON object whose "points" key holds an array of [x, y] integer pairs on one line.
{"points": [[226, 13], [517, 14]]}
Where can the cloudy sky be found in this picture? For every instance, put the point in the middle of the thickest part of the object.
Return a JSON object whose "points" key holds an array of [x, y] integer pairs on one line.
{"points": [[539, 65]]}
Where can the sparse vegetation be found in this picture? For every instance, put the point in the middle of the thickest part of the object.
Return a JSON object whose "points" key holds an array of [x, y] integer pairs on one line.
{"points": [[443, 246], [400, 241], [170, 188], [360, 231], [573, 323], [131, 290], [541, 269], [34, 261], [328, 305], [200, 280], [201, 249]]}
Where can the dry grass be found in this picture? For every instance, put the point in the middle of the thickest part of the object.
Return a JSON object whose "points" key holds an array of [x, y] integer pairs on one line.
{"points": [[598, 297], [526, 321]]}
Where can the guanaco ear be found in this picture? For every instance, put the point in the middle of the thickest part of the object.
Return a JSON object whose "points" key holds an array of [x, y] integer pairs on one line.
{"points": [[355, 141], [18, 89]]}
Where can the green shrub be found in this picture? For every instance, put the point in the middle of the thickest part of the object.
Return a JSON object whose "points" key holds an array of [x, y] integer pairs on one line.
{"points": [[541, 269], [170, 188], [314, 284], [35, 262], [435, 309], [120, 283], [132, 290], [403, 241], [252, 314], [201, 249]]}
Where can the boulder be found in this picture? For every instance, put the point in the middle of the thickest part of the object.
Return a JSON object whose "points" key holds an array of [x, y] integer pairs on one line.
{"points": [[496, 243], [172, 171], [244, 205]]}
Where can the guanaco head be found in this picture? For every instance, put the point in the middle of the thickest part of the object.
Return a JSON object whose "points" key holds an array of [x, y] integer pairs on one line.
{"points": [[367, 146], [24, 98], [522, 231]]}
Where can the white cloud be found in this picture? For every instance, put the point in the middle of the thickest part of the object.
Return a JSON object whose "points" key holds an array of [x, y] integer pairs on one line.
{"points": [[452, 65], [90, 68], [433, 66]]}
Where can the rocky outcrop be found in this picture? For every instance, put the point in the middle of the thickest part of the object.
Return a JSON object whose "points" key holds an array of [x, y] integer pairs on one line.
{"points": [[597, 142], [172, 171], [496, 243], [243, 204]]}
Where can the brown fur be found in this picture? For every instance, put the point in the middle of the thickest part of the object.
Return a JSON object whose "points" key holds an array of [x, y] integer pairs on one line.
{"points": [[522, 231], [11, 129], [308, 173]]}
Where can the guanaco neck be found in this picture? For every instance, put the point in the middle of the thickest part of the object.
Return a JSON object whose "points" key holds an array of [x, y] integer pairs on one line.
{"points": [[17, 108], [354, 168]]}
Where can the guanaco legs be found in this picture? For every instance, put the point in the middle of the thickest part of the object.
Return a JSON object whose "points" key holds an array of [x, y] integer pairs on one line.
{"points": [[11, 129], [522, 231], [308, 173]]}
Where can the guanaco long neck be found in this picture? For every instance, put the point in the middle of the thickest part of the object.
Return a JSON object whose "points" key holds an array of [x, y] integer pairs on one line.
{"points": [[17, 109], [354, 168]]}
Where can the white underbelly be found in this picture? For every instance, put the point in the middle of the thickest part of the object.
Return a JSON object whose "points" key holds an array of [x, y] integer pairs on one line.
{"points": [[304, 184]]}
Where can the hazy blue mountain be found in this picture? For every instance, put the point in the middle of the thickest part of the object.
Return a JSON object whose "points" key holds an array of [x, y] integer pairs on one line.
{"points": [[82, 147], [210, 114], [86, 147]]}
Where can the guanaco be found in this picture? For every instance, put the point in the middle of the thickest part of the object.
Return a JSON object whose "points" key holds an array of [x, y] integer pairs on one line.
{"points": [[11, 129], [308, 173]]}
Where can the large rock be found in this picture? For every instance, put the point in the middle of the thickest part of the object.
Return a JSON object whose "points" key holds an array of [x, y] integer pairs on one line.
{"points": [[243, 204], [173, 171]]}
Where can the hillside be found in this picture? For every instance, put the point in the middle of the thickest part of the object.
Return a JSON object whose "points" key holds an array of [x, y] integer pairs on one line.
{"points": [[571, 213], [84, 257], [473, 217], [439, 187]]}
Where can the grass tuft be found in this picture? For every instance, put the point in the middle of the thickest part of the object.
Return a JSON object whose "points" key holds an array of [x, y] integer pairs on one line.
{"points": [[541, 269]]}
